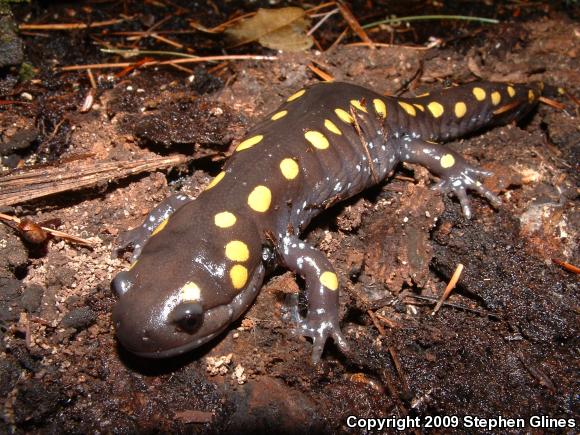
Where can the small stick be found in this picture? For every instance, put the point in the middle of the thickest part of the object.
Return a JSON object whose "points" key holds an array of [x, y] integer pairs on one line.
{"points": [[321, 22], [92, 79], [383, 44], [390, 323], [316, 8], [70, 26], [449, 288], [216, 58], [552, 103], [376, 323], [166, 40], [354, 24], [55, 233], [397, 362], [340, 38], [323, 75], [566, 266], [169, 62]]}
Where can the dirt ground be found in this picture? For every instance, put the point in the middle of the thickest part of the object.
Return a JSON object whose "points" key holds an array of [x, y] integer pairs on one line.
{"points": [[504, 344]]}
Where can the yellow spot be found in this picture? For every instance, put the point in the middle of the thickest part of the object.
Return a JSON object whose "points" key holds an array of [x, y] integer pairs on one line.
{"points": [[260, 198], [237, 251], [423, 95], [190, 292], [531, 96], [216, 180], [380, 108], [419, 106], [159, 227], [435, 108], [249, 143], [329, 280], [344, 116], [408, 108], [277, 116], [331, 126], [357, 105], [460, 109], [317, 139], [495, 98], [479, 94], [447, 161], [296, 95], [239, 276], [289, 168], [132, 265], [225, 219], [511, 91]]}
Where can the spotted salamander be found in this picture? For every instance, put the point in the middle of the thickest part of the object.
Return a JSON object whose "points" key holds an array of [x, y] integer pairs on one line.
{"points": [[200, 263]]}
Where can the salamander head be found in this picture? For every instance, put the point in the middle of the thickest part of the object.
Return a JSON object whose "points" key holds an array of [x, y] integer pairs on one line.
{"points": [[189, 283]]}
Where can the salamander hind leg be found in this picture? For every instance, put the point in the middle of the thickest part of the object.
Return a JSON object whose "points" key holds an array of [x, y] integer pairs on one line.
{"points": [[457, 175], [321, 321]]}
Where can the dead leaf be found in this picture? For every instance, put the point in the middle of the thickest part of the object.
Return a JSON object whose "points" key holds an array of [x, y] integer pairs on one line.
{"points": [[280, 29]]}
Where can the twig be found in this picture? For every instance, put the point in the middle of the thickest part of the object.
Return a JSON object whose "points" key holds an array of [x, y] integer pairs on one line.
{"points": [[325, 17], [566, 266], [339, 39], [55, 233], [450, 304], [383, 44], [170, 62], [397, 20], [70, 26], [376, 323], [397, 363], [353, 23], [323, 75], [166, 40], [449, 288], [35, 183]]}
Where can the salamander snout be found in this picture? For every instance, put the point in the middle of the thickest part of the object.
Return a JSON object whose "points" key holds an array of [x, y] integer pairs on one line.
{"points": [[121, 283]]}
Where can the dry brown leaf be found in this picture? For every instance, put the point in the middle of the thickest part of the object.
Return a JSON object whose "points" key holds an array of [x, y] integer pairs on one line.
{"points": [[280, 29]]}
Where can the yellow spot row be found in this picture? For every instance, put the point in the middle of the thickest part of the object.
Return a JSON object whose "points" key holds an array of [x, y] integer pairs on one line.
{"points": [[239, 276], [317, 139], [329, 280], [225, 219], [260, 198], [237, 250], [249, 143], [216, 180], [289, 168], [447, 161]]}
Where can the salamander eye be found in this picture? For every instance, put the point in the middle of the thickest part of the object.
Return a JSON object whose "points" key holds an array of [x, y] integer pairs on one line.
{"points": [[121, 284], [187, 316]]}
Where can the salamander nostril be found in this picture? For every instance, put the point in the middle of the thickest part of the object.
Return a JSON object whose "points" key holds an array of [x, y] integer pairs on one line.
{"points": [[187, 316]]}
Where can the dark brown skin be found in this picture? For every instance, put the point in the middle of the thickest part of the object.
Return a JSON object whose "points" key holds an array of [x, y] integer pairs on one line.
{"points": [[201, 263]]}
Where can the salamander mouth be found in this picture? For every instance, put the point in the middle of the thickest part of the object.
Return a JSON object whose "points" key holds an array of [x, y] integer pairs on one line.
{"points": [[215, 321]]}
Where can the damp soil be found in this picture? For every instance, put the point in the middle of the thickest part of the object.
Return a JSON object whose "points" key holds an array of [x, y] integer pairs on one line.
{"points": [[504, 343]]}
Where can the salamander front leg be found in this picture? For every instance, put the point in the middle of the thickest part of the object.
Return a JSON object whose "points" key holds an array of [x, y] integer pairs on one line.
{"points": [[321, 321], [137, 237], [456, 174]]}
